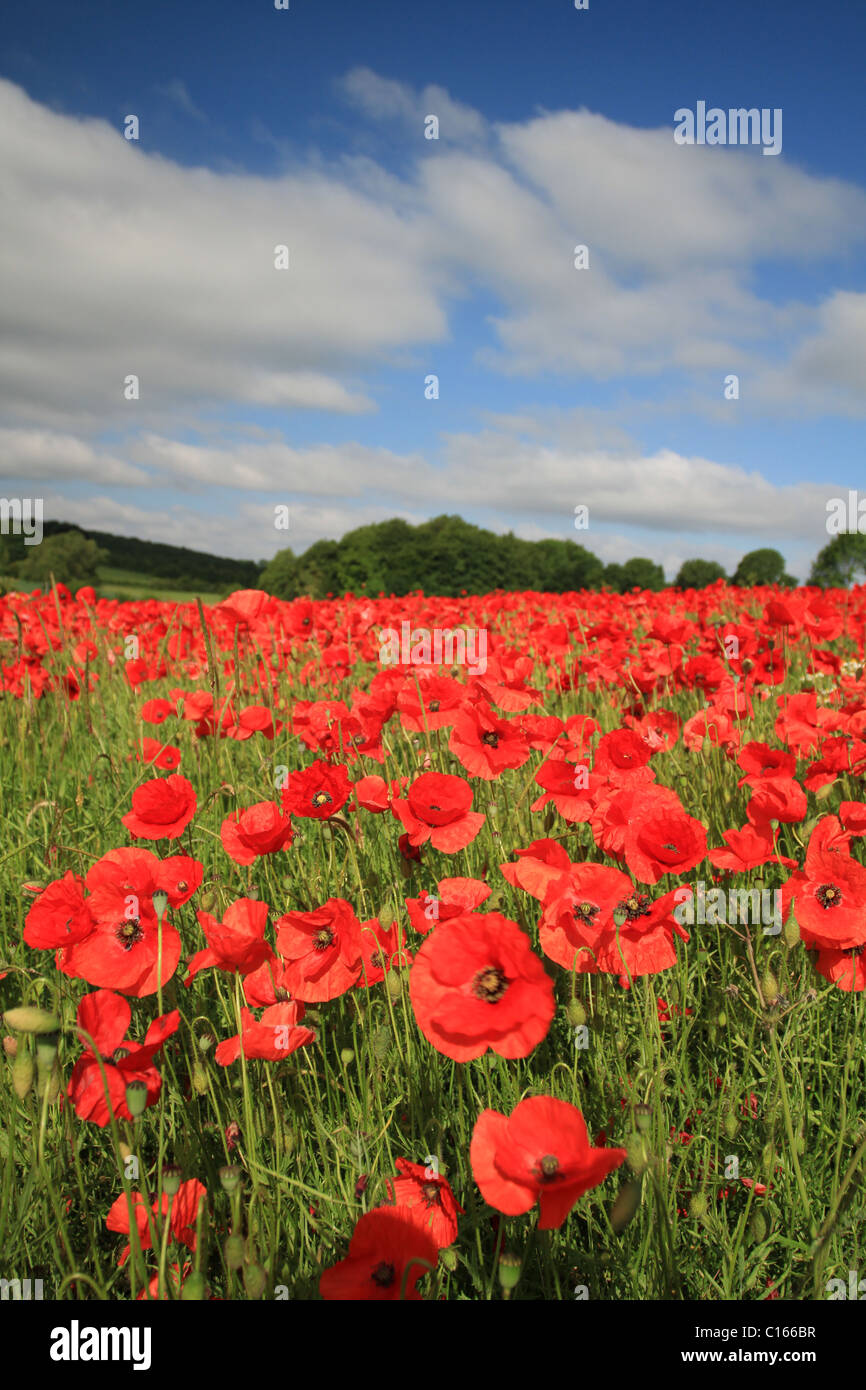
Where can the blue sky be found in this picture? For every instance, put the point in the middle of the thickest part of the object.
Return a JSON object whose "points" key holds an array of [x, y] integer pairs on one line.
{"points": [[454, 257]]}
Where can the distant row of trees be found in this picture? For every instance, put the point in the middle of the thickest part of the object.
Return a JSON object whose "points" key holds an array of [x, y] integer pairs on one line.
{"points": [[445, 556], [449, 555]]}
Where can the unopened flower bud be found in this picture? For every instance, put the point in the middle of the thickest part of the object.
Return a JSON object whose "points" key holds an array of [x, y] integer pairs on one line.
{"points": [[255, 1280], [31, 1020], [194, 1287], [234, 1251], [575, 1013], [22, 1072]]}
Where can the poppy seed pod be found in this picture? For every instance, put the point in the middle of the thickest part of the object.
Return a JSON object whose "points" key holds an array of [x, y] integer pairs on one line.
{"points": [[171, 1176], [510, 1266], [230, 1177], [136, 1098], [160, 903]]}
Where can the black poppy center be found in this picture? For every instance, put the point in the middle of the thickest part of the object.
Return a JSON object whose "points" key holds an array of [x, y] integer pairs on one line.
{"points": [[587, 912], [829, 895], [129, 933], [322, 799], [491, 739], [323, 939], [431, 1194], [548, 1167], [383, 1275], [489, 984], [434, 706], [638, 905]]}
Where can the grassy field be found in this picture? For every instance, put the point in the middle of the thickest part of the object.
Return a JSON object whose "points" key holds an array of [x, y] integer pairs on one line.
{"points": [[735, 1080]]}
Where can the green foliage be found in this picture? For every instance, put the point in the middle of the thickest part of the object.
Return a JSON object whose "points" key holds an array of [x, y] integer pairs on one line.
{"points": [[69, 556], [443, 556], [698, 574], [841, 563], [764, 566], [635, 573]]}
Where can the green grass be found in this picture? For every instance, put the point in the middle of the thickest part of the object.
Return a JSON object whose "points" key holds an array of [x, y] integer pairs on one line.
{"points": [[311, 1125]]}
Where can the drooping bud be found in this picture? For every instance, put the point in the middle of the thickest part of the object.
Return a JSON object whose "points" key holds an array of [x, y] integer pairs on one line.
{"points": [[575, 1013], [22, 1072], [194, 1287], [769, 987], [28, 1019], [255, 1280], [625, 1205], [394, 984]]}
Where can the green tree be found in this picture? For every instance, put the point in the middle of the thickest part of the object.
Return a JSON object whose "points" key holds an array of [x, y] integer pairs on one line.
{"points": [[760, 567], [698, 574], [69, 556], [280, 577], [319, 570], [841, 563], [642, 574]]}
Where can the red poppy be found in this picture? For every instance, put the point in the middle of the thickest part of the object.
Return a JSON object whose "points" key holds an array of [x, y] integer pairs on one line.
{"points": [[321, 950], [539, 1153], [485, 744], [317, 792], [60, 915], [260, 829], [272, 1037], [183, 1206], [382, 1261], [236, 943], [664, 842], [436, 808], [455, 897], [161, 809], [422, 1194], [381, 950], [104, 1017], [476, 984]]}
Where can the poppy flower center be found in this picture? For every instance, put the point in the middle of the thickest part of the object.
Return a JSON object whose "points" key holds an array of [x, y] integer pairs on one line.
{"points": [[587, 912], [491, 739], [548, 1167], [119, 1053], [182, 885], [489, 984], [434, 706], [323, 939], [377, 960], [322, 799], [828, 895], [129, 933], [638, 905], [383, 1275], [434, 808], [431, 1194], [675, 849], [281, 995]]}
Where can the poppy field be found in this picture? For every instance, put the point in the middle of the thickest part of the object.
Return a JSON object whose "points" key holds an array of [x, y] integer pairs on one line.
{"points": [[330, 972]]}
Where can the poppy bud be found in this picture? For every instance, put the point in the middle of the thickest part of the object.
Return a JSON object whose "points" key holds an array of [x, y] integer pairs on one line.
{"points": [[625, 1205], [22, 1073], [31, 1020], [698, 1206], [448, 1258], [255, 1280], [234, 1251], [731, 1125], [638, 1158], [575, 1013], [509, 1271], [823, 793], [289, 1141], [10, 1046], [770, 987], [199, 1079], [791, 930], [347, 1056], [194, 1286], [136, 1098], [33, 886], [394, 984], [160, 902], [208, 900], [387, 918]]}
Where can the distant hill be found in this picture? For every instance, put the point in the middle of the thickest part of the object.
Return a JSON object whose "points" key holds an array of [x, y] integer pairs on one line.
{"points": [[176, 566]]}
